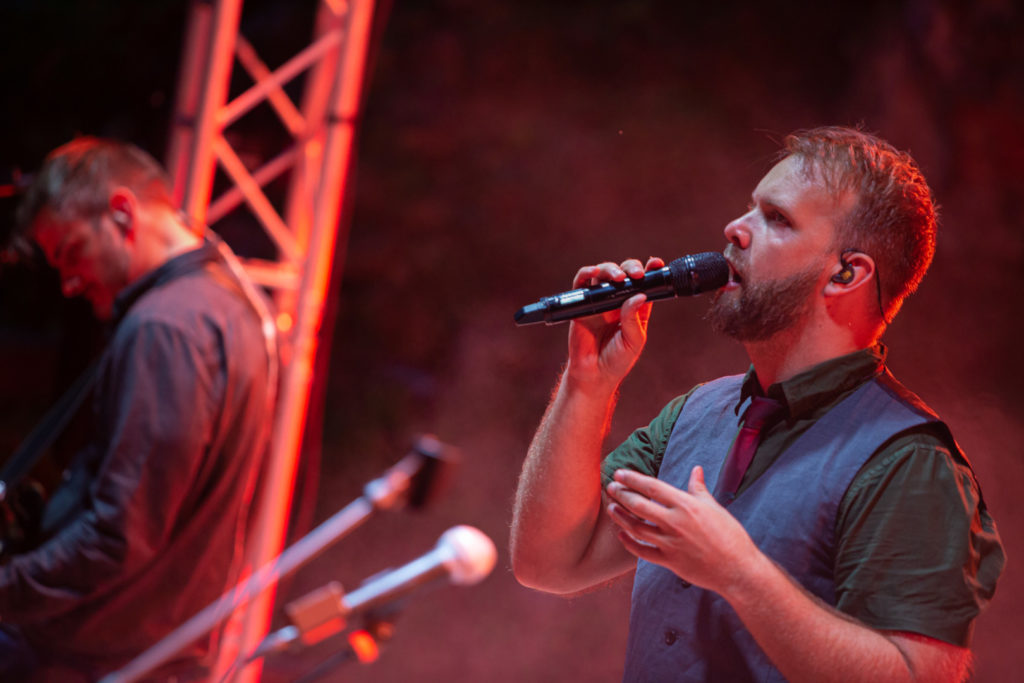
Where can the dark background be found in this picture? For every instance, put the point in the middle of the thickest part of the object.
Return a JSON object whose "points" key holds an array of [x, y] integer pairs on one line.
{"points": [[505, 144]]}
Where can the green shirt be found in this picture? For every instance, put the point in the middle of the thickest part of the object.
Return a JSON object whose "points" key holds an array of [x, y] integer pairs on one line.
{"points": [[916, 550]]}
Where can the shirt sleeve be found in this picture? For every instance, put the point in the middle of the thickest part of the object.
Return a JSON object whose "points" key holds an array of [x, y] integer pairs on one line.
{"points": [[644, 448], [154, 419], [917, 550]]}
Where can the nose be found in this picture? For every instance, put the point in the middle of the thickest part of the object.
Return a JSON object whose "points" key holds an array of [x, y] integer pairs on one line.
{"points": [[738, 232], [71, 286]]}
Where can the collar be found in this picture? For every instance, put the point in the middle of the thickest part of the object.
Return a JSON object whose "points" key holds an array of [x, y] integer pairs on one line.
{"points": [[180, 265], [821, 385]]}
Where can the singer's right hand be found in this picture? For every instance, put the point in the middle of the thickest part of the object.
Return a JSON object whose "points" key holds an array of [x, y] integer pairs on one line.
{"points": [[603, 348]]}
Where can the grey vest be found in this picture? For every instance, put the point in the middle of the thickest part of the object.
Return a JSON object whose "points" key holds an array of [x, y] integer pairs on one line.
{"points": [[679, 632]]}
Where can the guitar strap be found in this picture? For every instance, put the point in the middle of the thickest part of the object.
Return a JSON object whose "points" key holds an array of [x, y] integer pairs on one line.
{"points": [[46, 432]]}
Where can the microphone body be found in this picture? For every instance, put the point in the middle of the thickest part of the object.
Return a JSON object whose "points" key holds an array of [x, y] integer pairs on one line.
{"points": [[463, 553], [686, 276], [395, 583]]}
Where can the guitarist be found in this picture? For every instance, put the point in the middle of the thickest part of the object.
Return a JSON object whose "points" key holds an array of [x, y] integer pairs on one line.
{"points": [[150, 526]]}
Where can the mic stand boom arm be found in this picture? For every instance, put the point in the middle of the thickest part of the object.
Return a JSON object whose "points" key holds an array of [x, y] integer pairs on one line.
{"points": [[391, 490]]}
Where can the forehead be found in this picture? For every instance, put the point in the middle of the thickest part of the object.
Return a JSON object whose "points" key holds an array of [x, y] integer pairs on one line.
{"points": [[51, 231], [797, 185]]}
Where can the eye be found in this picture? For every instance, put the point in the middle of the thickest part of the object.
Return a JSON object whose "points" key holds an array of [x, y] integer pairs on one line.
{"points": [[71, 253], [776, 216]]}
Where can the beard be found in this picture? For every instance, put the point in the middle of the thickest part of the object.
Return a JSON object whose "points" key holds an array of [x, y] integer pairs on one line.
{"points": [[763, 309]]}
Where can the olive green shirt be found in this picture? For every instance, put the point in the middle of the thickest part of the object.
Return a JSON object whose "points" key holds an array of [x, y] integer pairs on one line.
{"points": [[916, 548]]}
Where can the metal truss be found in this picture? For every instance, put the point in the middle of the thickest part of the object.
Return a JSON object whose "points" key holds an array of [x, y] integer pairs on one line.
{"points": [[303, 228]]}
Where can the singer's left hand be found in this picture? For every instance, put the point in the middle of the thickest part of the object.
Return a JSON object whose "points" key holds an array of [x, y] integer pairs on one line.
{"points": [[687, 532]]}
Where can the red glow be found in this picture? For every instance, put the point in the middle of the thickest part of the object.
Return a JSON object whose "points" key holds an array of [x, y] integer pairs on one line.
{"points": [[324, 630], [365, 647]]}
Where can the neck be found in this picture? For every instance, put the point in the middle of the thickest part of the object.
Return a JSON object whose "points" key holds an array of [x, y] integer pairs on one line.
{"points": [[800, 348], [165, 238]]}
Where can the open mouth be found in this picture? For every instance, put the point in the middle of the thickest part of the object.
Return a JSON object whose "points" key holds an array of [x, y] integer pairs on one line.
{"points": [[734, 276]]}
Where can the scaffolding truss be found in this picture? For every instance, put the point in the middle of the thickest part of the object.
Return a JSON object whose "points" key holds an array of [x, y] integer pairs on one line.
{"points": [[303, 228]]}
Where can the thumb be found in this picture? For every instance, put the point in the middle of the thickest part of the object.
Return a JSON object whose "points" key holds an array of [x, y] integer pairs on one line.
{"points": [[697, 486], [635, 314]]}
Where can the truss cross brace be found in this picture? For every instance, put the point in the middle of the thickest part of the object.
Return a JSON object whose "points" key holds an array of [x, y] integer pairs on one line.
{"points": [[304, 230]]}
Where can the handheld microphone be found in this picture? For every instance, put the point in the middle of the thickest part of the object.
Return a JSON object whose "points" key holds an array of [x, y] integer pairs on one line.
{"points": [[686, 276]]}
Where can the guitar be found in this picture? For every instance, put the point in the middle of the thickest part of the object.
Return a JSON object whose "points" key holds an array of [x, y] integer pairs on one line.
{"points": [[22, 498]]}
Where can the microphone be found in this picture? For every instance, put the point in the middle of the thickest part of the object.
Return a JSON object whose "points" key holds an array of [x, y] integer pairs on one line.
{"points": [[417, 479], [686, 276], [463, 553]]}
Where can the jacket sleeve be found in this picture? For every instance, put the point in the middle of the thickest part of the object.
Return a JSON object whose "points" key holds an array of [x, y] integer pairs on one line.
{"points": [[156, 402]]}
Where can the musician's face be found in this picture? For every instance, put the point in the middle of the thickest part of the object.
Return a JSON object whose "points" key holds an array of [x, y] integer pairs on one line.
{"points": [[90, 255], [781, 254]]}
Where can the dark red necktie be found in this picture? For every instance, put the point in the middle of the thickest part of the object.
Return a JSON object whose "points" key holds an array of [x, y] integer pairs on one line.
{"points": [[760, 412]]}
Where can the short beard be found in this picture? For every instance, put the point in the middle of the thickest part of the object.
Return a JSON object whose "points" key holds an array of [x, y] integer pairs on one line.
{"points": [[762, 310]]}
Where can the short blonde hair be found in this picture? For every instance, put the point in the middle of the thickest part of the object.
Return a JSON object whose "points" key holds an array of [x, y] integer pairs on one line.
{"points": [[894, 217]]}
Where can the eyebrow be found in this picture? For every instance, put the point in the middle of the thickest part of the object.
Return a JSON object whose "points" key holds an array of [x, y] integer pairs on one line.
{"points": [[769, 201]]}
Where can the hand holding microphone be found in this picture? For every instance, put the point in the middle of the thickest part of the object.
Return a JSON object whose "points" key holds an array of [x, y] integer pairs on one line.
{"points": [[603, 351], [686, 276]]}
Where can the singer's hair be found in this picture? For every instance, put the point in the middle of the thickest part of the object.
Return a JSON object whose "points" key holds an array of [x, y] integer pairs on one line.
{"points": [[894, 217], [75, 181]]}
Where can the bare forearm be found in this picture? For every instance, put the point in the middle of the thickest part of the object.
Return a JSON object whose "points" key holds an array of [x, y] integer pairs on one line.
{"points": [[558, 502], [810, 641], [562, 540]]}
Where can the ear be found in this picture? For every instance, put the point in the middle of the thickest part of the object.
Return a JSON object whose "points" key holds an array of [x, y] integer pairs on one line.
{"points": [[853, 270], [124, 210]]}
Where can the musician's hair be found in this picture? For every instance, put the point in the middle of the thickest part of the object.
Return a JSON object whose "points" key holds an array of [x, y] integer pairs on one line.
{"points": [[76, 179], [894, 217]]}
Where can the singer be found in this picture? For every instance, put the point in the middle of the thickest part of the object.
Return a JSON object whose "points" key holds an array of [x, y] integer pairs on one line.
{"points": [[811, 520]]}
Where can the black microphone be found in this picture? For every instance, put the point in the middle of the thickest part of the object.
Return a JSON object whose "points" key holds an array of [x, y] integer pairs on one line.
{"points": [[463, 554], [685, 276]]}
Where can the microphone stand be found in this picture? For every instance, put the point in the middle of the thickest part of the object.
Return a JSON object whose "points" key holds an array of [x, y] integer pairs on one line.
{"points": [[413, 480], [362, 645], [346, 654]]}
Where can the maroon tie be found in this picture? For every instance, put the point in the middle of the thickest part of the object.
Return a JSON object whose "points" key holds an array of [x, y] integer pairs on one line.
{"points": [[760, 411]]}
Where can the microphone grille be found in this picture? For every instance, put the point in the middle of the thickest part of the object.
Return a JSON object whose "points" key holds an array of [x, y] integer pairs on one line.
{"points": [[699, 273], [470, 554]]}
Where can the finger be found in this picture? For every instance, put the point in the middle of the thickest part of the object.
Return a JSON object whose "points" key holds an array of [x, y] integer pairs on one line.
{"points": [[697, 486], [640, 507], [644, 314], [653, 263], [655, 489], [634, 322], [602, 272], [641, 550], [637, 528], [633, 268], [584, 275], [610, 271], [621, 508]]}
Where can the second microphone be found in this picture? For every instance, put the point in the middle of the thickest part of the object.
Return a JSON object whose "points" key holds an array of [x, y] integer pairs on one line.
{"points": [[685, 276]]}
